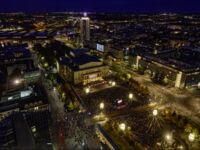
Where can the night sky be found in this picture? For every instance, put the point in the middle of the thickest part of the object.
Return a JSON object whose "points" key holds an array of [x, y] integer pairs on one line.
{"points": [[187, 6]]}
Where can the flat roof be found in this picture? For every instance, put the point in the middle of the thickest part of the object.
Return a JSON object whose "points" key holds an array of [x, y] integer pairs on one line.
{"points": [[75, 62], [184, 60]]}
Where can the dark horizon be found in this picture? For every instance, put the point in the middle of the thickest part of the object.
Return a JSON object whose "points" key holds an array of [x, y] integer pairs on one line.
{"points": [[137, 6]]}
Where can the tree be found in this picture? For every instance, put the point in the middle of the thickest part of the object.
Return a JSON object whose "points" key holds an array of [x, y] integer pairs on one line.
{"points": [[196, 132], [188, 128], [70, 106], [165, 80]]}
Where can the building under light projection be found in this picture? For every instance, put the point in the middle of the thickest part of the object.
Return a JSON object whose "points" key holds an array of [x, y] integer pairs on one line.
{"points": [[85, 29], [81, 68]]}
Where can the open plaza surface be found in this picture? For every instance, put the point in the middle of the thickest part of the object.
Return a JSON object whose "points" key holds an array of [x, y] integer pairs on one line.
{"points": [[145, 121]]}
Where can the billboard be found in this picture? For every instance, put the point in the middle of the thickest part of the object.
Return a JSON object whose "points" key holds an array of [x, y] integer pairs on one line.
{"points": [[100, 47]]}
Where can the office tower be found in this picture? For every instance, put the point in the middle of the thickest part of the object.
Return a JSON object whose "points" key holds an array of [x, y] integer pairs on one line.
{"points": [[85, 28]]}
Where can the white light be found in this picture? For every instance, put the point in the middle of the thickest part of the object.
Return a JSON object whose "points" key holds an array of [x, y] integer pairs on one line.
{"points": [[17, 81], [87, 90], [191, 137], [130, 95], [113, 83], [122, 126], [42, 58], [33, 129], [119, 101], [54, 89], [199, 85], [85, 14], [168, 137], [155, 112], [101, 105], [181, 147]]}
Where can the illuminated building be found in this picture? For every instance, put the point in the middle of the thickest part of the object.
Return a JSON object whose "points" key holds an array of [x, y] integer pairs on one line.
{"points": [[180, 67], [85, 29], [82, 68]]}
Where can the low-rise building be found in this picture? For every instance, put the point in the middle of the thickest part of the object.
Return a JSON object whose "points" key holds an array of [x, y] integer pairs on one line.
{"points": [[181, 67]]}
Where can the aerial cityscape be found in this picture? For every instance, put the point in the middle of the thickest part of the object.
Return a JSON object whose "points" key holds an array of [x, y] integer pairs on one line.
{"points": [[85, 76]]}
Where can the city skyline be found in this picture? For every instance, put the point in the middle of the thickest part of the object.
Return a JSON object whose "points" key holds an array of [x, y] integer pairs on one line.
{"points": [[136, 6]]}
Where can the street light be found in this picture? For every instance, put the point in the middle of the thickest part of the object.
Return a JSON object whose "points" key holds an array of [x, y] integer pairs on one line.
{"points": [[130, 96], [180, 147], [113, 83], [191, 137], [17, 81], [101, 106], [54, 89], [83, 144], [155, 112], [168, 137], [122, 126], [87, 90], [46, 64]]}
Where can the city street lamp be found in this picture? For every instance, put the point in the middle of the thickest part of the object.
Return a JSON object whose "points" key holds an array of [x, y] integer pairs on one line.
{"points": [[180, 147], [191, 137], [87, 90], [122, 126], [83, 143], [101, 106], [113, 83], [54, 89], [168, 137], [130, 96], [17, 81], [155, 112]]}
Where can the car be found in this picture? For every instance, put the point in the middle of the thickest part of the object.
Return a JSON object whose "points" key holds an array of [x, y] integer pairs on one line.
{"points": [[120, 104]]}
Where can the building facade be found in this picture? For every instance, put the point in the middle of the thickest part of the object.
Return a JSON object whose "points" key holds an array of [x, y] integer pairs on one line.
{"points": [[85, 29]]}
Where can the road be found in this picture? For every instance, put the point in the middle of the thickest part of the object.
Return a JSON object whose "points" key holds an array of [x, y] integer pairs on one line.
{"points": [[182, 101]]}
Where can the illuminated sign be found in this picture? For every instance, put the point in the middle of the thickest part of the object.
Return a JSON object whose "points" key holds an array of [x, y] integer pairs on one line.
{"points": [[25, 93], [100, 47]]}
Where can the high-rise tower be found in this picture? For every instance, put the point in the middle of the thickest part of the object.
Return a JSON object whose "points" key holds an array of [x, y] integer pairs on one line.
{"points": [[85, 28]]}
